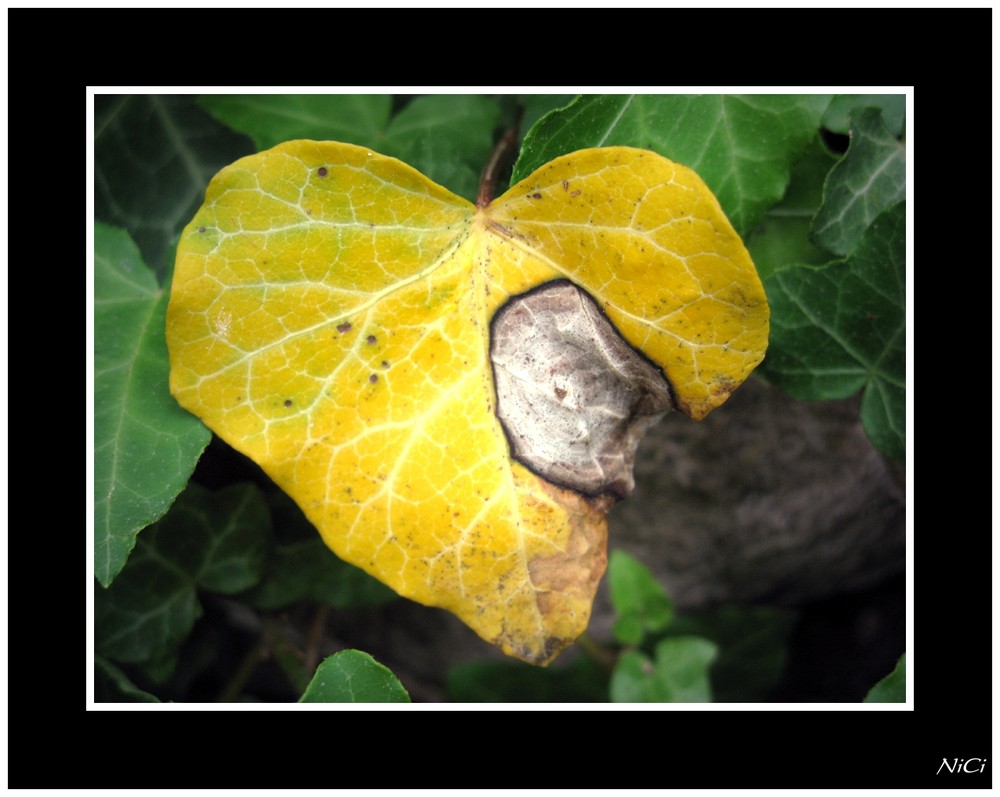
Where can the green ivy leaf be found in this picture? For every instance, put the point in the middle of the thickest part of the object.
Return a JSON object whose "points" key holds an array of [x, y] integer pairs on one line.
{"points": [[309, 571], [742, 146], [784, 235], [581, 681], [270, 119], [211, 540], [893, 107], [753, 648], [679, 673], [302, 568], [153, 157], [145, 445], [111, 685], [841, 327], [147, 611], [160, 670], [639, 600], [537, 105], [219, 539], [870, 179], [892, 688], [448, 137], [354, 677]]}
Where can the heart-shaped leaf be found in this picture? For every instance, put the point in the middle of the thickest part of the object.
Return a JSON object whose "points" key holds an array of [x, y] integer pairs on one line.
{"points": [[331, 318]]}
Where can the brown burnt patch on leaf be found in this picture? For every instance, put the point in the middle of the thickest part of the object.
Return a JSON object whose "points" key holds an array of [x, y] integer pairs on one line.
{"points": [[722, 388], [564, 583], [573, 397], [719, 390], [575, 572]]}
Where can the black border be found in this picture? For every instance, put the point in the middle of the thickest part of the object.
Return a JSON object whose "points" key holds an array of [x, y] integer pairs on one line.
{"points": [[944, 54]]}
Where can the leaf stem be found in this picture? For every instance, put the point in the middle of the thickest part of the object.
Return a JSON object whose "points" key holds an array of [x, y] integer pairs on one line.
{"points": [[603, 656], [501, 157], [286, 655], [247, 667], [316, 630]]}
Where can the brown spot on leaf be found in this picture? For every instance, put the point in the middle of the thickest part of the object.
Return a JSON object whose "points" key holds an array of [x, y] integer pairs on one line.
{"points": [[370, 340], [565, 185], [566, 581], [723, 388], [536, 195], [201, 229], [345, 327], [373, 378], [321, 171], [288, 402], [385, 363], [499, 228], [577, 192]]}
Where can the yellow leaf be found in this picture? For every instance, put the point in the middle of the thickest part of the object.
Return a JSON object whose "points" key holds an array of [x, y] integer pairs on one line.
{"points": [[331, 317]]}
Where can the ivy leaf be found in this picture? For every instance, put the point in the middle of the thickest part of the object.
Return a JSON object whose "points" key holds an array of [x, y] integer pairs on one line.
{"points": [[678, 674], [215, 541], [537, 105], [330, 318], [152, 183], [892, 688], [159, 670], [841, 327], [354, 677], [145, 446], [147, 612], [870, 179], [111, 685], [639, 599], [784, 236], [448, 137], [306, 570], [893, 106], [219, 539], [742, 146], [270, 119], [445, 136]]}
